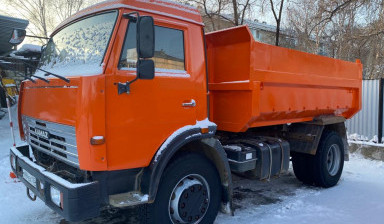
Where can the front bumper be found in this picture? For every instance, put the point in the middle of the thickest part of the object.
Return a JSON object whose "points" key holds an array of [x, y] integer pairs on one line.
{"points": [[79, 201]]}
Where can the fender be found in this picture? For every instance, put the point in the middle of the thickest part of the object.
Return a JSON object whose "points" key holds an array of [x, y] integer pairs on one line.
{"points": [[211, 147], [305, 137]]}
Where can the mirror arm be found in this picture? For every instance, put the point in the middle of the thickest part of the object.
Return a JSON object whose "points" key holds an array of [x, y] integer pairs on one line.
{"points": [[125, 87], [131, 17], [45, 38]]}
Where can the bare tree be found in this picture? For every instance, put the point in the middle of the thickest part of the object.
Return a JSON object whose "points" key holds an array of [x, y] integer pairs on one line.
{"points": [[66, 8], [277, 18], [45, 15], [223, 13], [36, 11], [351, 29], [212, 10], [240, 9], [277, 11]]}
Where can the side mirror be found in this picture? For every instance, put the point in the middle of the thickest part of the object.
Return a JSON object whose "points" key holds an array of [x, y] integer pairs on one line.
{"points": [[146, 37], [145, 69], [17, 37], [145, 50]]}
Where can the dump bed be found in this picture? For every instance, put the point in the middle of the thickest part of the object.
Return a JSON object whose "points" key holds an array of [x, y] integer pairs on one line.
{"points": [[253, 84]]}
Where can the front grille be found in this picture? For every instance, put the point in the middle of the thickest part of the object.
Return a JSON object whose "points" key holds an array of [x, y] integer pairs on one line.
{"points": [[56, 140]]}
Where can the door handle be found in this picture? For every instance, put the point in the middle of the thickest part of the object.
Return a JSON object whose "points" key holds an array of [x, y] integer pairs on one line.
{"points": [[192, 103]]}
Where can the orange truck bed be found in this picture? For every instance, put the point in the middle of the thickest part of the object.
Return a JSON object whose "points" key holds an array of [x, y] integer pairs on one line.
{"points": [[253, 84]]}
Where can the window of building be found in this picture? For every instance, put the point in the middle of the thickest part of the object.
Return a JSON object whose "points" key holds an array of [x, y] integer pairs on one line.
{"points": [[256, 34], [169, 49]]}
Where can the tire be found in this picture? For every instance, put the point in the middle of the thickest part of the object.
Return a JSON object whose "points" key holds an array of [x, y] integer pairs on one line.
{"points": [[186, 179], [321, 170], [302, 167], [329, 160]]}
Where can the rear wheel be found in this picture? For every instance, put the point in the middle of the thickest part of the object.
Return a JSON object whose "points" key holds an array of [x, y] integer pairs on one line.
{"points": [[323, 169], [189, 192], [302, 167], [329, 160]]}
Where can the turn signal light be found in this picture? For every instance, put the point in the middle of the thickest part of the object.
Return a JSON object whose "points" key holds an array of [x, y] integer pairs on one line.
{"points": [[97, 140]]}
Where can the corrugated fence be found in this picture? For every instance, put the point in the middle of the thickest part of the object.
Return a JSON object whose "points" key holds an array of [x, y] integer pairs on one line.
{"points": [[365, 123]]}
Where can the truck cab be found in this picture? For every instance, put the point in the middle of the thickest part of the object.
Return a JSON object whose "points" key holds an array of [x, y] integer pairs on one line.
{"points": [[128, 116]]}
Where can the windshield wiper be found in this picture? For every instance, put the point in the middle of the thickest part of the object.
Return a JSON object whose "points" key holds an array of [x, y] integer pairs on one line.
{"points": [[58, 76], [26, 77], [47, 73]]}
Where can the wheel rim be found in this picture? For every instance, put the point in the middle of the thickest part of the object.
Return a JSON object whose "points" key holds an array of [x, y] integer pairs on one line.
{"points": [[189, 200], [333, 159]]}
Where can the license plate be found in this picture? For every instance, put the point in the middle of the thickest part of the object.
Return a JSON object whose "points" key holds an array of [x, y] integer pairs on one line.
{"points": [[42, 133], [29, 178]]}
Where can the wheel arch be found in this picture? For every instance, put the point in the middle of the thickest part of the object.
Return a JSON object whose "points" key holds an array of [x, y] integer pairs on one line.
{"points": [[305, 137], [190, 139]]}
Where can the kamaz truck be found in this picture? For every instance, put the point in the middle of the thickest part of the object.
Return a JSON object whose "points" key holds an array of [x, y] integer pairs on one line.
{"points": [[134, 105]]}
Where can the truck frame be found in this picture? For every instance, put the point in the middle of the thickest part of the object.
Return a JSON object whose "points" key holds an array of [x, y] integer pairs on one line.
{"points": [[145, 109]]}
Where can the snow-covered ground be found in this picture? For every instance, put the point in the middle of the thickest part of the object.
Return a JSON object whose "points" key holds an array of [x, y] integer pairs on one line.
{"points": [[358, 198]]}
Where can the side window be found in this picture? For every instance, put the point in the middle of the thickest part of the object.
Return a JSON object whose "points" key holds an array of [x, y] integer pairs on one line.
{"points": [[169, 49]]}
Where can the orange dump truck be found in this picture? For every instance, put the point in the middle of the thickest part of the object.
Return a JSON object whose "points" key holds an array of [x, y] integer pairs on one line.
{"points": [[134, 105]]}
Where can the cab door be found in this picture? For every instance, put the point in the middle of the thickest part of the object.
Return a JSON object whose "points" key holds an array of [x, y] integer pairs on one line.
{"points": [[139, 122]]}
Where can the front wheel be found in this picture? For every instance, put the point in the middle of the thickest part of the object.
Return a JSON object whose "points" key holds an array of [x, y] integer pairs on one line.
{"points": [[189, 192]]}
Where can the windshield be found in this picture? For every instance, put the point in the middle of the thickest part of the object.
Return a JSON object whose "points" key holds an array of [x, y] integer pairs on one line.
{"points": [[78, 49]]}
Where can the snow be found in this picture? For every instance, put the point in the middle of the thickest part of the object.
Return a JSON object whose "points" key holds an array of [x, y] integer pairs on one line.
{"points": [[233, 147], [5, 62], [174, 5], [15, 207], [79, 48], [199, 124], [140, 197], [165, 72], [366, 143], [73, 70], [358, 198], [357, 137], [233, 82], [171, 73], [30, 48], [363, 140]]}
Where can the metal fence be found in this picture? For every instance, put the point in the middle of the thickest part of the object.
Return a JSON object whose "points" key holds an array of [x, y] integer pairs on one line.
{"points": [[365, 124]]}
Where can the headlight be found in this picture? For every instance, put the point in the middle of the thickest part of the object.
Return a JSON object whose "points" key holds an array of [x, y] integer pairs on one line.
{"points": [[13, 162], [56, 197]]}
